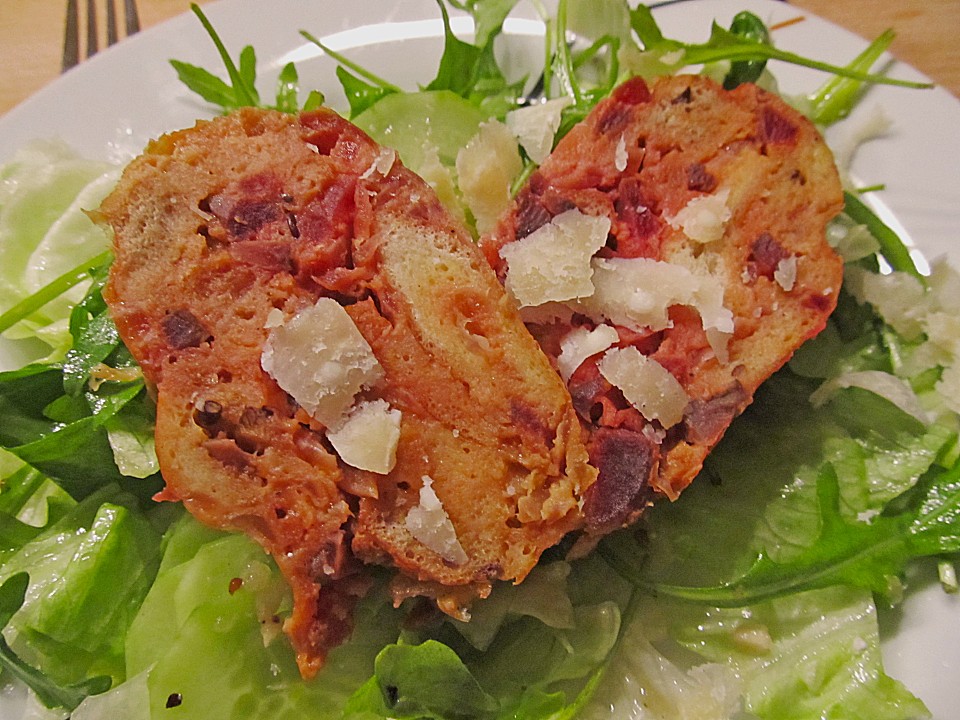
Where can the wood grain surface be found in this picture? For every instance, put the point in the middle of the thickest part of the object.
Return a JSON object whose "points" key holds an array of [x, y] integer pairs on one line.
{"points": [[928, 35]]}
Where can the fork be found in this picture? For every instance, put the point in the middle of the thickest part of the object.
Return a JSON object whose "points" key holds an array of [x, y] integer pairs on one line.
{"points": [[71, 33]]}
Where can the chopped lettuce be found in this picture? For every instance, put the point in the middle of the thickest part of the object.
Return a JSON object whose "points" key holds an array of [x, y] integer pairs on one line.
{"points": [[44, 232], [804, 656], [207, 638], [89, 569]]}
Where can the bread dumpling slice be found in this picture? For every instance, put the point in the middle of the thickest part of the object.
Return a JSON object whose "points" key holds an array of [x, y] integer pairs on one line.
{"points": [[338, 371], [670, 255]]}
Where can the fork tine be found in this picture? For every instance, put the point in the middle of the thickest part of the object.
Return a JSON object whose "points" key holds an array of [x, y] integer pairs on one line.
{"points": [[92, 43], [71, 37], [111, 23], [71, 32], [132, 16]]}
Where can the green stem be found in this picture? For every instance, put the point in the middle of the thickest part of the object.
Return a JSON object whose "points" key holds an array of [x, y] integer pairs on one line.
{"points": [[837, 96], [54, 289], [350, 65], [240, 87]]}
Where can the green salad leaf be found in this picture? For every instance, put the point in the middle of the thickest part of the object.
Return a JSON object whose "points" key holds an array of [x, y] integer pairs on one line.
{"points": [[739, 47], [12, 594], [241, 91], [853, 553], [424, 681]]}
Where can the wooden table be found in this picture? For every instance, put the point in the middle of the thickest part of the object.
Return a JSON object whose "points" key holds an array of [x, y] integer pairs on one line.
{"points": [[928, 35]]}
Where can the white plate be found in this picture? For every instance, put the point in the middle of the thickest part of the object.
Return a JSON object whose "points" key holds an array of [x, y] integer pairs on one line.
{"points": [[109, 106]]}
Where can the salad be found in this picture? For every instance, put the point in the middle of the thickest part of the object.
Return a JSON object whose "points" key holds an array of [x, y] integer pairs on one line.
{"points": [[756, 593]]}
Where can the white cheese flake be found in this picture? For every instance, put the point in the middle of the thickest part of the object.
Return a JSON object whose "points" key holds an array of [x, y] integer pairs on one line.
{"points": [[786, 273], [274, 319], [382, 164], [581, 343], [535, 126], [429, 524], [553, 262], [638, 292], [367, 438], [620, 155], [486, 167], [321, 360], [645, 384], [704, 218], [753, 638]]}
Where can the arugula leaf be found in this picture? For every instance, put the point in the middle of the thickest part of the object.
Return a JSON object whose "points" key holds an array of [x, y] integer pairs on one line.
{"points": [[857, 553], [14, 533], [360, 95], [749, 27], [76, 453], [12, 594], [488, 17], [726, 45], [205, 84], [459, 62], [95, 336], [241, 91], [287, 89]]}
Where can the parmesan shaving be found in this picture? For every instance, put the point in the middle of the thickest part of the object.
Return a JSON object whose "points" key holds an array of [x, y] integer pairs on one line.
{"points": [[367, 438], [536, 125], [429, 524], [581, 343], [704, 218], [486, 167], [382, 164], [620, 155], [637, 293], [786, 273], [321, 360], [553, 262], [645, 384]]}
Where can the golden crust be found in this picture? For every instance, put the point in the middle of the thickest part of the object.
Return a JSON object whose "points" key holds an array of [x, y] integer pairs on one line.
{"points": [[218, 225]]}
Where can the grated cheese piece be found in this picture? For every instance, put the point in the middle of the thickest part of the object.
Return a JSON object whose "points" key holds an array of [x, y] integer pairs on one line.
{"points": [[620, 156], [367, 438], [429, 523], [486, 167], [581, 343], [637, 293], [704, 218], [553, 262], [645, 384], [786, 273], [382, 164], [321, 360], [274, 319], [536, 125]]}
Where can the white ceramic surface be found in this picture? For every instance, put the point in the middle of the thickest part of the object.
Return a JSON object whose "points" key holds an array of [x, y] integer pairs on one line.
{"points": [[109, 106]]}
